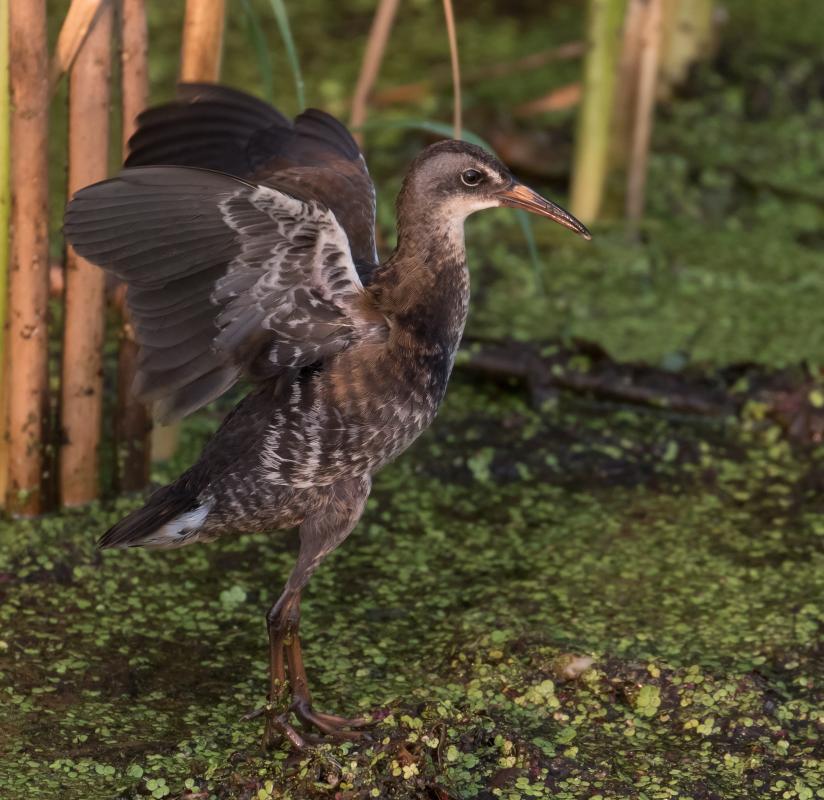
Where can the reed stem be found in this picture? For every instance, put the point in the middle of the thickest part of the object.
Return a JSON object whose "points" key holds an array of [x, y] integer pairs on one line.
{"points": [[132, 422], [5, 232], [370, 67], [202, 51], [592, 142], [457, 103], [84, 320], [644, 110], [27, 341]]}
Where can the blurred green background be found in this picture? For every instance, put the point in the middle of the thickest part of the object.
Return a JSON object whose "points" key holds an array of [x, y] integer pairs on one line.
{"points": [[729, 268]]}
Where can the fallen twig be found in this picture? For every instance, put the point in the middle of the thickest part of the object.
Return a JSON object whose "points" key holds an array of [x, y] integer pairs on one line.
{"points": [[790, 397]]}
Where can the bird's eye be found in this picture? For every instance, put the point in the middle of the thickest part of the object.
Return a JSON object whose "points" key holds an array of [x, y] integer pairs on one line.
{"points": [[471, 177]]}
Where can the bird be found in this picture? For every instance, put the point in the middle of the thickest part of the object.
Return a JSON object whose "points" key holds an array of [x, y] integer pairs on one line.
{"points": [[246, 242]]}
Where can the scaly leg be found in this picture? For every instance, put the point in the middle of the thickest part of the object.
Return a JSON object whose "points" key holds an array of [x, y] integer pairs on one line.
{"points": [[281, 623], [330, 724], [339, 510]]}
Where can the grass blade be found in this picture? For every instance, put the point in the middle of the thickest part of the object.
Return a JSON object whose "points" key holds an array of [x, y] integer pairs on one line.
{"points": [[257, 36], [457, 103], [282, 18], [525, 221]]}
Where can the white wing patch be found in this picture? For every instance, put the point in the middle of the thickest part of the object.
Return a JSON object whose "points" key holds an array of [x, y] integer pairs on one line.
{"points": [[294, 277]]}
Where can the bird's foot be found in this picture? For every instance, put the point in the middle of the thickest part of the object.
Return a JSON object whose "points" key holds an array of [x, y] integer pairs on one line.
{"points": [[277, 728], [330, 725]]}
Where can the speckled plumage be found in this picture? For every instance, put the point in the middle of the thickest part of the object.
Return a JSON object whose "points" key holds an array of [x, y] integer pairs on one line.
{"points": [[268, 269], [312, 427]]}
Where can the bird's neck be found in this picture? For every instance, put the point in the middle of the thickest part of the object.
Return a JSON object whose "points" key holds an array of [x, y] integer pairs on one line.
{"points": [[424, 286]]}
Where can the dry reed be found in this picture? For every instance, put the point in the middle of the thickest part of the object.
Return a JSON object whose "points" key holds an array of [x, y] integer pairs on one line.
{"points": [[29, 265], [202, 50], [84, 318], [132, 421], [372, 60]]}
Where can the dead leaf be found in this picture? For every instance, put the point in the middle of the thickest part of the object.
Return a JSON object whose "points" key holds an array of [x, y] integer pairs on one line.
{"points": [[76, 27], [557, 100]]}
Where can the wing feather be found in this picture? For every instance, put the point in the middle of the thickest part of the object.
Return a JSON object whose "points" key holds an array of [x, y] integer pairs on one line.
{"points": [[222, 276], [313, 157]]}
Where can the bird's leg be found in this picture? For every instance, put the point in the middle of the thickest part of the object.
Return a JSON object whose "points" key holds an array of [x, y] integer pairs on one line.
{"points": [[321, 532], [281, 623], [329, 724]]}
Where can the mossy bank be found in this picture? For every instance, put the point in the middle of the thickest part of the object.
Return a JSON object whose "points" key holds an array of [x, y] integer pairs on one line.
{"points": [[683, 558]]}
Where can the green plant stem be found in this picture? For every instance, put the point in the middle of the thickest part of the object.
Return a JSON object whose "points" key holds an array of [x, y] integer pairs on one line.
{"points": [[687, 39], [282, 18], [257, 37], [595, 117]]}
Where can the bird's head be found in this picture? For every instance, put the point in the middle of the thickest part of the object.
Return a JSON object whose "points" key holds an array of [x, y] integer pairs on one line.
{"points": [[454, 179]]}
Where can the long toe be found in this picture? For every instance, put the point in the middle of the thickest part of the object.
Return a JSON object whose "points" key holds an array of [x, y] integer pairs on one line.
{"points": [[344, 722], [330, 725], [277, 729], [254, 713]]}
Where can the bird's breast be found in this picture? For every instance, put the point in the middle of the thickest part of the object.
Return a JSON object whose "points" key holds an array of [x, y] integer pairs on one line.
{"points": [[368, 403], [356, 414]]}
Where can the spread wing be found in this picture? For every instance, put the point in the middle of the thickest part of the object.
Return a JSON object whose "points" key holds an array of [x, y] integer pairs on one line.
{"points": [[313, 158], [223, 276]]}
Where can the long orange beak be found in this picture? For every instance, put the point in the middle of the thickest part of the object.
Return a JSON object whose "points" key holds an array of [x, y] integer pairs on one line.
{"points": [[519, 196]]}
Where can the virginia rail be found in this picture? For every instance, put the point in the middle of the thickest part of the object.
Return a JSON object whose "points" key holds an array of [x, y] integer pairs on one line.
{"points": [[247, 245]]}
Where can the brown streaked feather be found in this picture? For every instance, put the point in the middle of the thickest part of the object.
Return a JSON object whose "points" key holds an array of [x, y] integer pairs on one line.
{"points": [[260, 277]]}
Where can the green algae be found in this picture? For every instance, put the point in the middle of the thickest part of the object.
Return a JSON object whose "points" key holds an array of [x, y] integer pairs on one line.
{"points": [[682, 555], [693, 582], [731, 264]]}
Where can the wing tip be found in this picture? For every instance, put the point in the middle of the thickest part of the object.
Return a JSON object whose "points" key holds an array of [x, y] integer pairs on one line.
{"points": [[319, 124]]}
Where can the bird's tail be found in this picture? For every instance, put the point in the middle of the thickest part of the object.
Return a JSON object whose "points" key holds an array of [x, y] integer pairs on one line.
{"points": [[172, 517]]}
